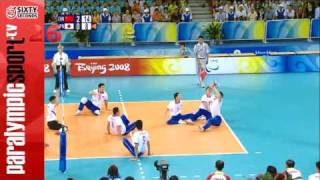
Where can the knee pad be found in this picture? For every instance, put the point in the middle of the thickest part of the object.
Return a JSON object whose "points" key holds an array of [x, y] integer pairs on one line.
{"points": [[97, 112], [84, 100]]}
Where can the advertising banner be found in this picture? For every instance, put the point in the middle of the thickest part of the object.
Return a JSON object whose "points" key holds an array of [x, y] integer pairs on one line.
{"points": [[113, 32], [315, 28], [264, 64], [21, 75], [190, 31], [243, 30], [128, 67], [288, 29], [155, 32]]}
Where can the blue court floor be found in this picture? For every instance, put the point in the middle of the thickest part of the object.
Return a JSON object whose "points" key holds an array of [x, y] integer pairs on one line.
{"points": [[275, 116]]}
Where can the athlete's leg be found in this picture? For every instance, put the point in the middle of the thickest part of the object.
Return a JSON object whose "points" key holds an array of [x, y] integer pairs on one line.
{"points": [[215, 121], [186, 116], [198, 114], [129, 126], [174, 120], [128, 145]]}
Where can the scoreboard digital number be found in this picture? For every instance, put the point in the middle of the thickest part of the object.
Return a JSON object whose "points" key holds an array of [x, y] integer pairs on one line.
{"points": [[75, 22]]}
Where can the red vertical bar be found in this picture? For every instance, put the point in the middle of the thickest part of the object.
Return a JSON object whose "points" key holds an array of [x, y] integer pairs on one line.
{"points": [[22, 80]]}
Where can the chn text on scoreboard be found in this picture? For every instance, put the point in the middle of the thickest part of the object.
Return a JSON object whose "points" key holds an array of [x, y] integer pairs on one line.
{"points": [[75, 22]]}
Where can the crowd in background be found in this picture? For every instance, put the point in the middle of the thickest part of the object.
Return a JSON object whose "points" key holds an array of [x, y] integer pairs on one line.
{"points": [[241, 10], [121, 11], [290, 172]]}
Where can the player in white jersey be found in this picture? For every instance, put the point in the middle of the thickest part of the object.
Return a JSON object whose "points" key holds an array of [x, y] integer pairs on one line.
{"points": [[204, 108], [174, 108], [52, 121], [316, 176], [119, 125], [215, 109], [99, 97], [140, 142]]}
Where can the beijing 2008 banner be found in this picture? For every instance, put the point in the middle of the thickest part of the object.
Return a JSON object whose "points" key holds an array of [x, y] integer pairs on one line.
{"points": [[21, 75]]}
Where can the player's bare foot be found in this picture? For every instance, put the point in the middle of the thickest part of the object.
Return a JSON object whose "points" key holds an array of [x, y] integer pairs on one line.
{"points": [[190, 122], [181, 122], [78, 113], [201, 129]]}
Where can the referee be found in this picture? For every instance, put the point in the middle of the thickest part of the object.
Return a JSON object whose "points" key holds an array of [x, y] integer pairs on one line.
{"points": [[201, 51], [61, 60]]}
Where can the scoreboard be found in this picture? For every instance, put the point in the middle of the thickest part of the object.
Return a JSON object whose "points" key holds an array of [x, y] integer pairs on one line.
{"points": [[75, 22]]}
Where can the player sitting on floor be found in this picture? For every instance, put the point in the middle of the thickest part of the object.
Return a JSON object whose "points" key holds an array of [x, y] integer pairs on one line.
{"points": [[204, 109], [99, 96], [215, 108], [119, 125], [140, 142], [174, 107], [52, 121]]}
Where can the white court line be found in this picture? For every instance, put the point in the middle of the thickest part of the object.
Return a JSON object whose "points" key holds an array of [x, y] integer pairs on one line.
{"points": [[235, 136], [164, 155], [122, 103], [161, 155]]}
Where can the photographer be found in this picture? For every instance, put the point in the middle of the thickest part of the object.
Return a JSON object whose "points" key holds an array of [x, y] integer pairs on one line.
{"points": [[61, 62]]}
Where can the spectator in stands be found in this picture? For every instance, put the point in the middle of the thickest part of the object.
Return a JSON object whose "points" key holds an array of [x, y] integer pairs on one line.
{"points": [[289, 13], [227, 6], [317, 11], [231, 16], [54, 16], [126, 17], [115, 8], [241, 13], [129, 178], [218, 174], [95, 19], [280, 12], [186, 16], [172, 7], [261, 14], [174, 177], [155, 6], [175, 16], [146, 16], [300, 12], [136, 7], [145, 6], [268, 14], [113, 173], [136, 17], [156, 16], [316, 176], [291, 172], [253, 15], [125, 8], [64, 5], [271, 173], [165, 15], [116, 18], [309, 10], [75, 8], [105, 16], [85, 7], [95, 6], [220, 16], [105, 5], [65, 11]]}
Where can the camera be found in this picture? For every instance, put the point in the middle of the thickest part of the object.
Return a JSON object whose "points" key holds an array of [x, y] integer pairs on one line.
{"points": [[162, 166]]}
